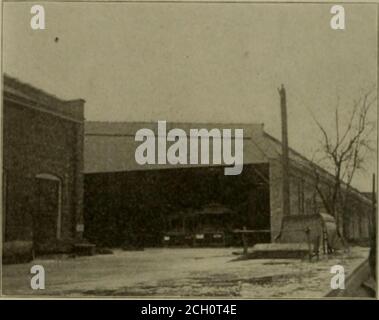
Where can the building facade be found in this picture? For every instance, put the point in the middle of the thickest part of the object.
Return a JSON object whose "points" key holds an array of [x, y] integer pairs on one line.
{"points": [[42, 167], [124, 199]]}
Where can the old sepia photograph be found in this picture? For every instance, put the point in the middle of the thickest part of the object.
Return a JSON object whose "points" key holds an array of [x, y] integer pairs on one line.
{"points": [[189, 150]]}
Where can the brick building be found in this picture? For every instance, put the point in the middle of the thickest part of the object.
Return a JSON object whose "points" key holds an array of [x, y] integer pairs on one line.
{"points": [[42, 167], [123, 198]]}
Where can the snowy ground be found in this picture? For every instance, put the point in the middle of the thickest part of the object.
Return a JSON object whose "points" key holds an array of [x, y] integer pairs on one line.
{"points": [[201, 272]]}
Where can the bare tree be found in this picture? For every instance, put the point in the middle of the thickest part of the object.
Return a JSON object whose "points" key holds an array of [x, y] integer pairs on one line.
{"points": [[343, 151]]}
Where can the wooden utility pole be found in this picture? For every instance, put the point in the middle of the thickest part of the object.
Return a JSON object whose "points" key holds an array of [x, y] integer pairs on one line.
{"points": [[285, 158]]}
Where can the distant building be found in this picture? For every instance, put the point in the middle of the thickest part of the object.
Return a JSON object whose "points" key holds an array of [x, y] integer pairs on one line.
{"points": [[42, 167], [125, 201]]}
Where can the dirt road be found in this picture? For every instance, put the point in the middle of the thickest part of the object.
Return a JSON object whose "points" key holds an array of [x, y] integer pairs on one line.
{"points": [[202, 272]]}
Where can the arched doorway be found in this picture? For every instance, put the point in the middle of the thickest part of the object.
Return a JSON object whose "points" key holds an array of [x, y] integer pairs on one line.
{"points": [[47, 220]]}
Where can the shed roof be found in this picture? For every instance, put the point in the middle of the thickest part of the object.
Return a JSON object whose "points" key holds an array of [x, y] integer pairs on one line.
{"points": [[110, 147]]}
